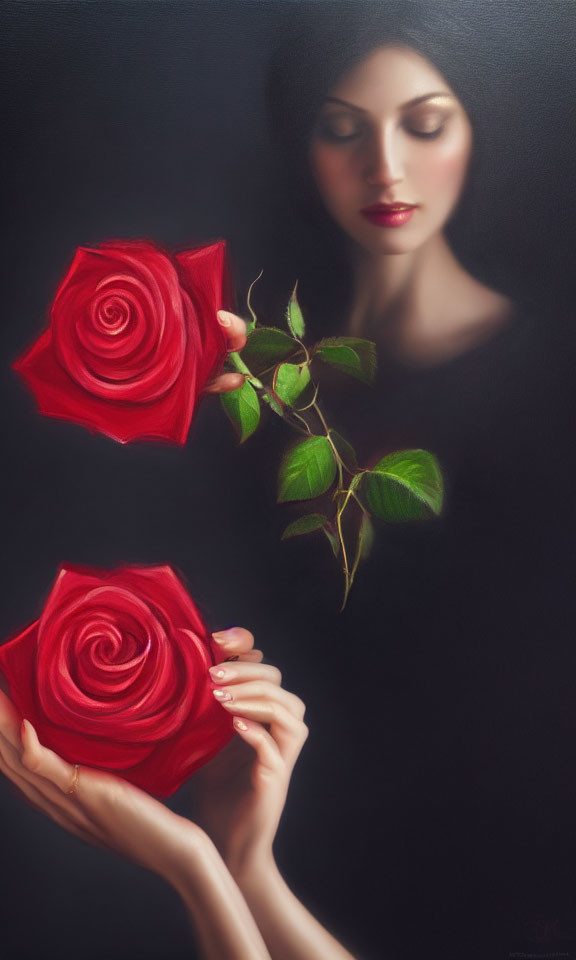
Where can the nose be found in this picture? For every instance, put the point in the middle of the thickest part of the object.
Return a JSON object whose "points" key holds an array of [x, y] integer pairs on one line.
{"points": [[384, 166]]}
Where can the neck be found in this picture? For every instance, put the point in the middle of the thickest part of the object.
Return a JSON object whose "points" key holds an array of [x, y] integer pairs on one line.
{"points": [[394, 289], [422, 304]]}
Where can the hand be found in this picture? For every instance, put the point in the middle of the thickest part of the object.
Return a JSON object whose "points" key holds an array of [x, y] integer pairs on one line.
{"points": [[235, 330], [240, 794], [104, 810]]}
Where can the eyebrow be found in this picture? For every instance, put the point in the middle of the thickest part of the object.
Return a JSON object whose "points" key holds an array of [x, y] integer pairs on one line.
{"points": [[410, 103]]}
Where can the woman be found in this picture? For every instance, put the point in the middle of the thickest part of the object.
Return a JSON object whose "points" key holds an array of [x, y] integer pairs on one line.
{"points": [[483, 57], [450, 668], [426, 702]]}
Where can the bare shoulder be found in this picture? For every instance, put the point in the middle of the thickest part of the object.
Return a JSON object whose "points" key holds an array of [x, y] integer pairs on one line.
{"points": [[471, 315], [478, 313], [493, 308]]}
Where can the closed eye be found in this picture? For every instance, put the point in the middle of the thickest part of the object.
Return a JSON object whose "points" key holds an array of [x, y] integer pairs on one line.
{"points": [[334, 137], [339, 129], [426, 134], [428, 125]]}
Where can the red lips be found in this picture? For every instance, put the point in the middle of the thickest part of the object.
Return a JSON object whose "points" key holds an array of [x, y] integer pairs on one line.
{"points": [[389, 207], [389, 214]]}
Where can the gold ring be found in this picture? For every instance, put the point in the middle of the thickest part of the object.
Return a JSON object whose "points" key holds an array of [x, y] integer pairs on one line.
{"points": [[75, 779]]}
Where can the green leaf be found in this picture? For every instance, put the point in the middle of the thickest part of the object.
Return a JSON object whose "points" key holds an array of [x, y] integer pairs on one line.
{"points": [[294, 316], [365, 538], [332, 540], [243, 408], [345, 450], [290, 380], [363, 548], [307, 470], [351, 355], [272, 403], [404, 486], [307, 524], [343, 358], [266, 346]]}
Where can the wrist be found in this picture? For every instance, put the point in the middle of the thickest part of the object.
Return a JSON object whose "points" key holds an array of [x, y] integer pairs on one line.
{"points": [[252, 870], [219, 912], [185, 868]]}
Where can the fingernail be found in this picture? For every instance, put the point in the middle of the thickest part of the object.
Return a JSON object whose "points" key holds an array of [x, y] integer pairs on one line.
{"points": [[239, 724], [23, 730], [219, 638], [224, 318], [217, 673], [222, 695]]}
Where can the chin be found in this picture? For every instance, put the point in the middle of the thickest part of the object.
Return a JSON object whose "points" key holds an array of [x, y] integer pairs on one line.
{"points": [[394, 245], [379, 241]]}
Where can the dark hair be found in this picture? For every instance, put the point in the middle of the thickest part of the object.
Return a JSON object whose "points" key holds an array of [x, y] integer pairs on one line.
{"points": [[319, 41]]}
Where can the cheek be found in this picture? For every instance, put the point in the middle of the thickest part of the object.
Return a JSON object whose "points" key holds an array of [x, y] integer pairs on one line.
{"points": [[331, 172], [445, 172]]}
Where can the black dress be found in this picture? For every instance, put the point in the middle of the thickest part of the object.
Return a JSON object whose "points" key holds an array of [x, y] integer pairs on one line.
{"points": [[442, 712]]}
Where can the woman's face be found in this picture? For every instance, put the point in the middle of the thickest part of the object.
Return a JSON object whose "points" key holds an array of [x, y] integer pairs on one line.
{"points": [[391, 134]]}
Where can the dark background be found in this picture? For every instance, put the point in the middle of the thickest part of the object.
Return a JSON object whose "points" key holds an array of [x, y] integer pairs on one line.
{"points": [[146, 119], [129, 120]]}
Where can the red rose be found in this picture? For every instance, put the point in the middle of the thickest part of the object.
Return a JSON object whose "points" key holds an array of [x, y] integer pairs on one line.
{"points": [[115, 675], [133, 339]]}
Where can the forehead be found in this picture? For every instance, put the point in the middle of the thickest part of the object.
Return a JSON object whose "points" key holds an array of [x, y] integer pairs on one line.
{"points": [[389, 77]]}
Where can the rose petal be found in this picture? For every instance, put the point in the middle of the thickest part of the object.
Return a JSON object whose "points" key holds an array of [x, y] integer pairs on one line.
{"points": [[175, 760], [150, 350], [177, 601], [18, 664], [105, 754], [204, 275], [134, 339], [167, 722], [163, 677], [57, 395]]}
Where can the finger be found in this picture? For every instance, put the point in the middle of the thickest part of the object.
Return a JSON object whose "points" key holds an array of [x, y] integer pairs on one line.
{"points": [[83, 803], [242, 671], [44, 762], [110, 803], [45, 796], [235, 640], [289, 733], [252, 656], [262, 690], [256, 736], [9, 721], [225, 383], [42, 805], [235, 329]]}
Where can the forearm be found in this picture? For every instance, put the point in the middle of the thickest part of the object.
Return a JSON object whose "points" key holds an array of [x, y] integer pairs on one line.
{"points": [[224, 927], [289, 930]]}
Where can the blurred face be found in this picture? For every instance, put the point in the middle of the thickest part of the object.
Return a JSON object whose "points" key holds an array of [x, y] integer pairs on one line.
{"points": [[390, 151]]}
